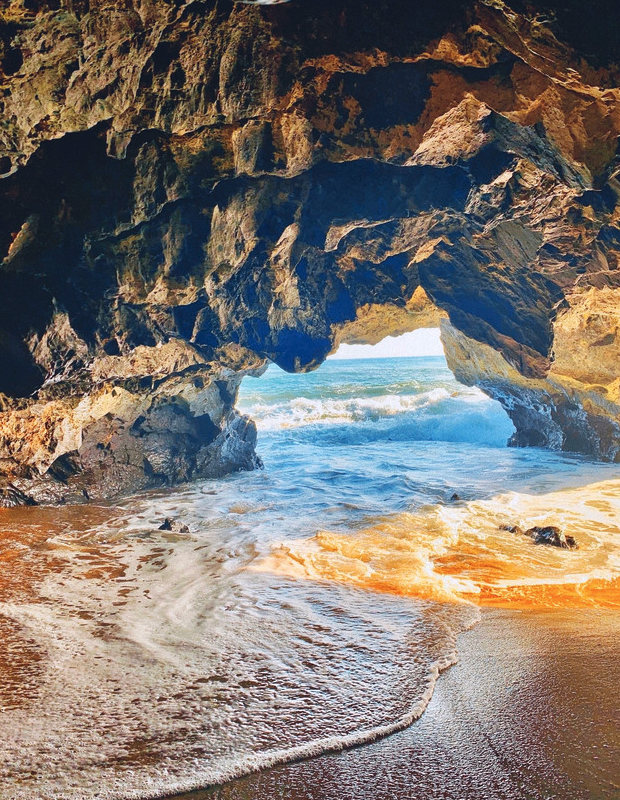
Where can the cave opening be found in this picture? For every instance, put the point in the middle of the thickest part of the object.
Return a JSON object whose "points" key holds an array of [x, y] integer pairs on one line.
{"points": [[395, 401]]}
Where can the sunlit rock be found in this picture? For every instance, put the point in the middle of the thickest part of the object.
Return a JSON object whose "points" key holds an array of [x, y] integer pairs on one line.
{"points": [[188, 191]]}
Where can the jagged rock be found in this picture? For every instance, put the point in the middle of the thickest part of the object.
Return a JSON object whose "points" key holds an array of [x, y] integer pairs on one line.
{"points": [[10, 497], [173, 525], [550, 534], [544, 534], [189, 189]]}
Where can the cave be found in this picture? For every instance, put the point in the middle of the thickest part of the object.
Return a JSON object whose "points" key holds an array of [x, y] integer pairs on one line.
{"points": [[311, 179], [236, 558]]}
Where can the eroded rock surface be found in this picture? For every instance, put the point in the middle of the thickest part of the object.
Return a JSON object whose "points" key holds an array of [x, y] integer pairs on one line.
{"points": [[190, 188]]}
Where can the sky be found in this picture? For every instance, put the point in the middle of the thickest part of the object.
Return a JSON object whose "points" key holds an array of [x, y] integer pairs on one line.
{"points": [[423, 342]]}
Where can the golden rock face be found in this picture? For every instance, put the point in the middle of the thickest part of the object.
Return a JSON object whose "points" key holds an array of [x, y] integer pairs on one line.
{"points": [[189, 189]]}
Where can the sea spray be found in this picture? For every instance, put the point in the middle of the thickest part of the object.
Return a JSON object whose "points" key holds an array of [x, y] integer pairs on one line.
{"points": [[350, 408]]}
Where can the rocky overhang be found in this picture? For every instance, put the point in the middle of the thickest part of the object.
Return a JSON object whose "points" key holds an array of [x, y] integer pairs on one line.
{"points": [[191, 188]]}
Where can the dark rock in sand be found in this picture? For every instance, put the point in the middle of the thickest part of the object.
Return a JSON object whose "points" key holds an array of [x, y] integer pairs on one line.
{"points": [[552, 535], [173, 525], [511, 528], [544, 534]]}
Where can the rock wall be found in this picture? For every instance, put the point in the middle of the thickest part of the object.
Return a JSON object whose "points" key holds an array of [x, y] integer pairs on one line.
{"points": [[191, 187]]}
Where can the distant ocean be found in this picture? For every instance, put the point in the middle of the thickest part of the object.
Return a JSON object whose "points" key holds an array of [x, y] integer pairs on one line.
{"points": [[311, 606]]}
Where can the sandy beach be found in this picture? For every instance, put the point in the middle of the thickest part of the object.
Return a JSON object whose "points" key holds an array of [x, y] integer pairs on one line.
{"points": [[532, 710], [308, 607]]}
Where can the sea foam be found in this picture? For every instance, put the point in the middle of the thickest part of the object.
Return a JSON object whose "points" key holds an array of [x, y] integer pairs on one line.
{"points": [[433, 415]]}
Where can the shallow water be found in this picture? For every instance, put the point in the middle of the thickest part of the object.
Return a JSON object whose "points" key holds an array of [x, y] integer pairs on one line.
{"points": [[530, 712], [312, 604]]}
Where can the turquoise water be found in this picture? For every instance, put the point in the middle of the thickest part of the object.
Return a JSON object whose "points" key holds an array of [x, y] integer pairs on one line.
{"points": [[372, 400], [304, 610], [391, 434]]}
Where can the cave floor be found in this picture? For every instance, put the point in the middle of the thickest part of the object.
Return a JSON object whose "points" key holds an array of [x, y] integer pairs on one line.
{"points": [[532, 711]]}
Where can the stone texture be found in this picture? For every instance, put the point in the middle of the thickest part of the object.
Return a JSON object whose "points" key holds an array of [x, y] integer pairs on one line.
{"points": [[191, 187]]}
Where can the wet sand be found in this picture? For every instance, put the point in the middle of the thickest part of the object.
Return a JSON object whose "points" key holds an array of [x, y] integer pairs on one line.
{"points": [[532, 710]]}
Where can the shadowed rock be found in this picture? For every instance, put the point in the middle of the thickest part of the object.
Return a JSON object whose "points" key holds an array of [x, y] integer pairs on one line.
{"points": [[10, 497], [545, 534], [188, 190], [550, 534], [173, 525]]}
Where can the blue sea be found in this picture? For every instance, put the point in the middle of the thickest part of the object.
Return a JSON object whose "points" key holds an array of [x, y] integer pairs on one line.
{"points": [[367, 436], [311, 605]]}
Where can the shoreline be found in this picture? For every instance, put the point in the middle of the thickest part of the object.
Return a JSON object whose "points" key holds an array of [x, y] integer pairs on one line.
{"points": [[529, 711]]}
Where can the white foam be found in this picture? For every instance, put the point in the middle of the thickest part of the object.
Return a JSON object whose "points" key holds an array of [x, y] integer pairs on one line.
{"points": [[165, 666], [406, 553], [302, 411]]}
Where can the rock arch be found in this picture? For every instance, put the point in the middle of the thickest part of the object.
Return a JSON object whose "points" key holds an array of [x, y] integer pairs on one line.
{"points": [[207, 186]]}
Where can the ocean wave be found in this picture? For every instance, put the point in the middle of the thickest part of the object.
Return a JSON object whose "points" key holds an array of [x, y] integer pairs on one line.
{"points": [[205, 668], [301, 411], [433, 415]]}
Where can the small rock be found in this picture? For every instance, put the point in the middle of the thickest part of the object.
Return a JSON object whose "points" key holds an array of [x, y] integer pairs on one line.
{"points": [[544, 534], [173, 525], [552, 535], [572, 543], [511, 528]]}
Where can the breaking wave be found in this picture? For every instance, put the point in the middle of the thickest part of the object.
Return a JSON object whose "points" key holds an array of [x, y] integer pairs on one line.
{"points": [[413, 411]]}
